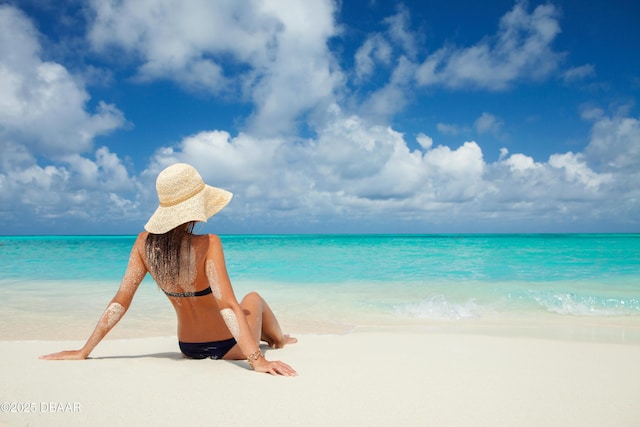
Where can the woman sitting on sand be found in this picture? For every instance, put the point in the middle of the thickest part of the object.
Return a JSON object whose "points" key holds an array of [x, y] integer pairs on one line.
{"points": [[191, 271]]}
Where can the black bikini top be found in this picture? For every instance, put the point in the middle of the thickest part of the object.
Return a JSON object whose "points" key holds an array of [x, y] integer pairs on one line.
{"points": [[203, 292]]}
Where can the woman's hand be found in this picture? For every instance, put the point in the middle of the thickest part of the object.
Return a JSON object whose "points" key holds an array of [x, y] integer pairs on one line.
{"points": [[65, 355], [274, 368]]}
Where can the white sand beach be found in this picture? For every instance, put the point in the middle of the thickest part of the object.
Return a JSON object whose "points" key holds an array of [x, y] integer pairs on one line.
{"points": [[364, 378]]}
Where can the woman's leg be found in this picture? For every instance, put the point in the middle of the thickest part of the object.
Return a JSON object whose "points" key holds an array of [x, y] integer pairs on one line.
{"points": [[263, 322]]}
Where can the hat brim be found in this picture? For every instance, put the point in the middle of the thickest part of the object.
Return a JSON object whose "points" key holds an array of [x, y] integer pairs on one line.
{"points": [[200, 207]]}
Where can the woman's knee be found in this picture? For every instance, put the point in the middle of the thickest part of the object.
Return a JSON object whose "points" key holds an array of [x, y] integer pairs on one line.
{"points": [[253, 297], [252, 301]]}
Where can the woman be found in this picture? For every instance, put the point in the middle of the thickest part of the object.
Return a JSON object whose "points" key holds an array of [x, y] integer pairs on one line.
{"points": [[191, 271]]}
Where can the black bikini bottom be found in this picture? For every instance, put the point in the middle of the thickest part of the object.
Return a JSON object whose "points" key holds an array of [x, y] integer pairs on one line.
{"points": [[202, 350]]}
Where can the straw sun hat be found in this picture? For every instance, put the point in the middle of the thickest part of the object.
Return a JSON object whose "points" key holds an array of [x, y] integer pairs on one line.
{"points": [[184, 197]]}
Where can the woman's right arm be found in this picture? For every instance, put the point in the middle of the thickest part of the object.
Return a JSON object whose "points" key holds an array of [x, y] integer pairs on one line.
{"points": [[136, 270]]}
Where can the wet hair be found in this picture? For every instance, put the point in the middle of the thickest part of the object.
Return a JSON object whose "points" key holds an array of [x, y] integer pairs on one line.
{"points": [[165, 252]]}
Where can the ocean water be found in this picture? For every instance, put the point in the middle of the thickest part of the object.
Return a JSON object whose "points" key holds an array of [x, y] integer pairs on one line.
{"points": [[576, 285]]}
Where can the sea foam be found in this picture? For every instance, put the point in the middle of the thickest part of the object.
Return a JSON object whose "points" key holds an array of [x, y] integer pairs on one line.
{"points": [[439, 307], [587, 305]]}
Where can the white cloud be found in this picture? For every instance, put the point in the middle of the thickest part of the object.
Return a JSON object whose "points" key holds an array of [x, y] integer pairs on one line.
{"points": [[374, 50], [576, 169], [519, 162], [615, 141], [579, 73], [105, 173], [400, 32], [318, 177], [559, 191], [449, 129], [44, 119], [396, 50], [520, 50], [485, 123], [42, 105], [425, 141], [358, 171], [378, 48], [456, 175], [354, 168], [385, 166], [243, 160], [391, 98], [277, 50], [488, 123]]}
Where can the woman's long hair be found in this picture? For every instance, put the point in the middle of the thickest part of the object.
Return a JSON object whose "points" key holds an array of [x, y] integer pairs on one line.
{"points": [[167, 253]]}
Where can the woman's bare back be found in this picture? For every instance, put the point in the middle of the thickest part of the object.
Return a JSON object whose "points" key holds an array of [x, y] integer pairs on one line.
{"points": [[199, 317]]}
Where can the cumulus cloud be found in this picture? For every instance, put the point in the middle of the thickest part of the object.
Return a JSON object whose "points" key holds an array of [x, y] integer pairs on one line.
{"points": [[42, 104], [321, 179], [44, 119], [576, 169], [520, 50], [357, 171], [615, 140], [352, 167], [264, 50], [519, 162], [558, 191], [425, 141]]}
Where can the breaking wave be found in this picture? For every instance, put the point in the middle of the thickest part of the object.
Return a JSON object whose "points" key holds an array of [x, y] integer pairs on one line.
{"points": [[576, 305], [438, 307]]}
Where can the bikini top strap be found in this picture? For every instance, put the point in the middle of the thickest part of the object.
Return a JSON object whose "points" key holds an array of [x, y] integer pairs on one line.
{"points": [[203, 292]]}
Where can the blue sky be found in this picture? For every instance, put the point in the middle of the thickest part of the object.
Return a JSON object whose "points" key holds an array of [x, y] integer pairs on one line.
{"points": [[323, 116]]}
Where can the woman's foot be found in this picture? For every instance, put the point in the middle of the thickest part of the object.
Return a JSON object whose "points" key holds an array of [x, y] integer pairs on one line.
{"points": [[286, 340]]}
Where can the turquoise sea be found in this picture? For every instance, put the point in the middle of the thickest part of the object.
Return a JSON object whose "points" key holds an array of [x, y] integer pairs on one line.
{"points": [[57, 286]]}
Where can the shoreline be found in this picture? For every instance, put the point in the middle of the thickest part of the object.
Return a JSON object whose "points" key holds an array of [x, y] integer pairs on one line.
{"points": [[614, 330], [366, 377]]}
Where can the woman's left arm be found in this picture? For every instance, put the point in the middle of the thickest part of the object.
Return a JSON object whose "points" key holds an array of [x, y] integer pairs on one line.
{"points": [[136, 270], [234, 315]]}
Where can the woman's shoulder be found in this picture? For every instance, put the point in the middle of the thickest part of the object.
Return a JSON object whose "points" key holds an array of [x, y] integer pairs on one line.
{"points": [[214, 239], [206, 240], [141, 240], [142, 237], [206, 245]]}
